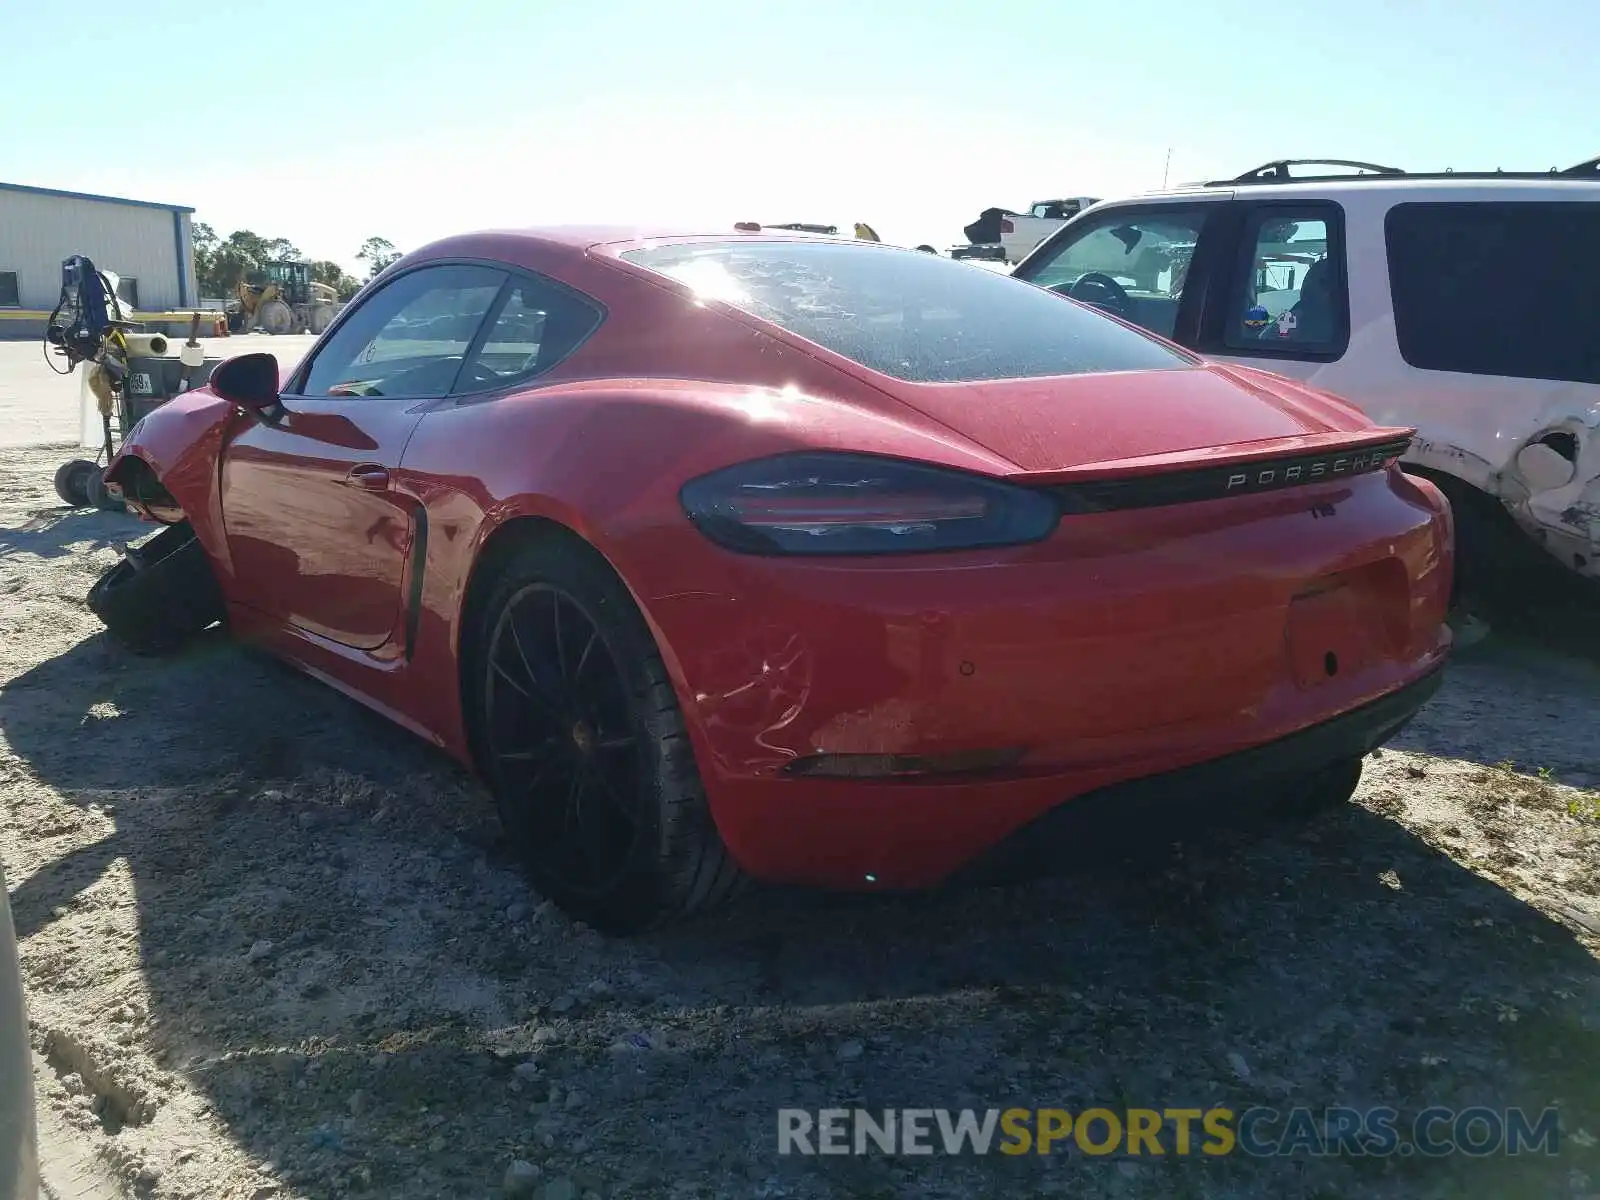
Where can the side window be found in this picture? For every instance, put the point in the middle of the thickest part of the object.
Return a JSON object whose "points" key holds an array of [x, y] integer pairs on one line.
{"points": [[409, 339], [10, 293], [1497, 288], [1288, 295], [536, 325], [1132, 263]]}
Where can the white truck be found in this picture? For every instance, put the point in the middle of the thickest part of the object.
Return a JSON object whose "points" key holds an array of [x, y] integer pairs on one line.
{"points": [[1007, 236]]}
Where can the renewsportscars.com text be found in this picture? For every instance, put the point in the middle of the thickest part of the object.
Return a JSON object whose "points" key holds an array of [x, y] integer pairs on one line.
{"points": [[1257, 1132]]}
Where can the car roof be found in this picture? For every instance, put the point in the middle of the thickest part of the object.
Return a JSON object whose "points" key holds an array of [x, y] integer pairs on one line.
{"points": [[1415, 187], [576, 241], [1350, 176], [587, 237]]}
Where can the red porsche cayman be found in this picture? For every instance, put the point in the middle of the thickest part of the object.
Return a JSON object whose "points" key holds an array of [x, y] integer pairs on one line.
{"points": [[804, 559]]}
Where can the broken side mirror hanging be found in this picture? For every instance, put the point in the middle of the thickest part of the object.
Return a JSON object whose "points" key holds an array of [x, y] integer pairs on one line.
{"points": [[250, 381]]}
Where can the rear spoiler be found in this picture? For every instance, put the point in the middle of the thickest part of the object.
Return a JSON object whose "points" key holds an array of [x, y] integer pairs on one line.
{"points": [[1297, 446], [1189, 476]]}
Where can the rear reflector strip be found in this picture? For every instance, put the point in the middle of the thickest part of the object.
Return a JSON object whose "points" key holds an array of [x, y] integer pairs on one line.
{"points": [[1215, 483]]}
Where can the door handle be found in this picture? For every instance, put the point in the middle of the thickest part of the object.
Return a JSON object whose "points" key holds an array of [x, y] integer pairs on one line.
{"points": [[368, 476]]}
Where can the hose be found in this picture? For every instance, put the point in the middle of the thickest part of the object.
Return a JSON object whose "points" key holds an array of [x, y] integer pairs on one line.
{"points": [[54, 313]]}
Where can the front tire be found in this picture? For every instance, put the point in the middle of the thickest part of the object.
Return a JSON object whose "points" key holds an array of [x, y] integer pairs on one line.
{"points": [[276, 317], [72, 481], [578, 732], [94, 491], [162, 594]]}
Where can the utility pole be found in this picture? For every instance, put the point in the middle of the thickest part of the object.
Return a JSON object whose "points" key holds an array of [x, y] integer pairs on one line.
{"points": [[1166, 170]]}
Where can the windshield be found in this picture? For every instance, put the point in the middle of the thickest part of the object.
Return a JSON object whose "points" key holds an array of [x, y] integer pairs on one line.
{"points": [[1132, 264], [1146, 256], [917, 317]]}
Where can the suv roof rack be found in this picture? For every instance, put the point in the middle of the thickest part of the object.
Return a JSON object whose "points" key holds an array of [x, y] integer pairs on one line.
{"points": [[1278, 172]]}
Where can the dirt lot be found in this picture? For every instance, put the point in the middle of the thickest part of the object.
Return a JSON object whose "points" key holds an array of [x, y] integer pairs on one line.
{"points": [[275, 950]]}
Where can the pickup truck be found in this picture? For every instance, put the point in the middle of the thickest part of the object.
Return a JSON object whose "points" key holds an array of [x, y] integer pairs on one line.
{"points": [[1018, 233]]}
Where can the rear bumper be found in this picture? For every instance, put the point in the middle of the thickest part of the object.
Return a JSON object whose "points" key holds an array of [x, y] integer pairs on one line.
{"points": [[872, 835], [998, 686], [1191, 798]]}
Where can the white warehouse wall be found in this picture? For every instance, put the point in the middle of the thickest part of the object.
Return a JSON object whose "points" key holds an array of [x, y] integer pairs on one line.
{"points": [[150, 243]]}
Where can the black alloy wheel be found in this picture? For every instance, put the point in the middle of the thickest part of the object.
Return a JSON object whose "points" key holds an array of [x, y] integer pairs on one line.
{"points": [[560, 727], [577, 729]]}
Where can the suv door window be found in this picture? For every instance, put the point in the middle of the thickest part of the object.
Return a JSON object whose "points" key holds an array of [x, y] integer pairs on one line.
{"points": [[536, 325], [1288, 294], [407, 340], [1497, 288], [1132, 263]]}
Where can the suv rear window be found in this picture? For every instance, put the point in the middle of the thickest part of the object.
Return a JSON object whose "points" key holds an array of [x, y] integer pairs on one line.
{"points": [[1504, 288], [917, 317]]}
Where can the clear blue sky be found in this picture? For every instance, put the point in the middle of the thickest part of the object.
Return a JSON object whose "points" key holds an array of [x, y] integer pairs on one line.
{"points": [[331, 121]]}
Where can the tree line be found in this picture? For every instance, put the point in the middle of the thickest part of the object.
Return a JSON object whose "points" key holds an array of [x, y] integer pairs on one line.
{"points": [[220, 264]]}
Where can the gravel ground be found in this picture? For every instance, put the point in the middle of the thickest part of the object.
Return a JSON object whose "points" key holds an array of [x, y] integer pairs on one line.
{"points": [[275, 949]]}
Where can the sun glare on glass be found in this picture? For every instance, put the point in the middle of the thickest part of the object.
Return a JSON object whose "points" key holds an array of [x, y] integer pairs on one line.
{"points": [[710, 281]]}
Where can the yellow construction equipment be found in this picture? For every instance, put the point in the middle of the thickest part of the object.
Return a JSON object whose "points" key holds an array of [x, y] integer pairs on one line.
{"points": [[282, 298]]}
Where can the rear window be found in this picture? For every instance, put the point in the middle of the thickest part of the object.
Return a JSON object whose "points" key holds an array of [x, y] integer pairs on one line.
{"points": [[917, 317], [1502, 288]]}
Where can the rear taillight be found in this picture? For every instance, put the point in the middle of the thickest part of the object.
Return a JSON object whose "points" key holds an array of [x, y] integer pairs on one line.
{"points": [[1006, 226], [832, 503]]}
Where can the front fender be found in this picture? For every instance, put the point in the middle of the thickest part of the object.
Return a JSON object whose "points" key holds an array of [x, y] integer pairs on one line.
{"points": [[181, 443]]}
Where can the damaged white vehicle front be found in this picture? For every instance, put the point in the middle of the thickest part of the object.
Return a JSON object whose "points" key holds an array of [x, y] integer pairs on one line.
{"points": [[1549, 481]]}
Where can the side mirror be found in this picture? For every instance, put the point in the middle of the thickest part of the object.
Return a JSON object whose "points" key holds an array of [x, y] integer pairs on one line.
{"points": [[251, 382]]}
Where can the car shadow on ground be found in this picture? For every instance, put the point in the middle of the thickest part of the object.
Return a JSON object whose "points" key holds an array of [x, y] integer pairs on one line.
{"points": [[323, 915], [1552, 612], [53, 532]]}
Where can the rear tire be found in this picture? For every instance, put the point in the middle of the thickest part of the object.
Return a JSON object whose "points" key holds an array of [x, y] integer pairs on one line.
{"points": [[578, 732], [1497, 566], [72, 481], [162, 594]]}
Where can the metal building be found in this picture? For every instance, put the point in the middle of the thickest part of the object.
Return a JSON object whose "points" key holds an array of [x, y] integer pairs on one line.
{"points": [[149, 246]]}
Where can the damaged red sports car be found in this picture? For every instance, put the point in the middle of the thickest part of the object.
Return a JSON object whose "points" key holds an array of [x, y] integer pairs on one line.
{"points": [[802, 559]]}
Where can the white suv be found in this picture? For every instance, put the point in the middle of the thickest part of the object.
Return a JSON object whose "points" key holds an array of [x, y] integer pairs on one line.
{"points": [[1466, 305]]}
